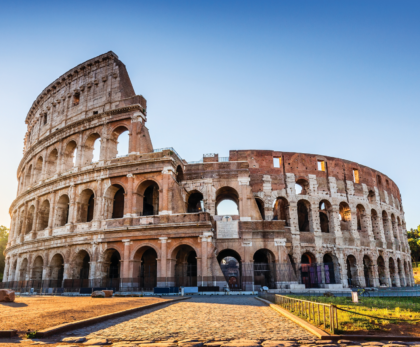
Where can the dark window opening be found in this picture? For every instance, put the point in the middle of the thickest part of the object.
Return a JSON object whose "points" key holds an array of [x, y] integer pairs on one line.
{"points": [[260, 205], [195, 201], [303, 216], [118, 208], [91, 207]]}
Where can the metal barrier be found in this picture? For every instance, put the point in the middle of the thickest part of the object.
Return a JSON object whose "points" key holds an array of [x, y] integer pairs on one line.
{"points": [[317, 313]]}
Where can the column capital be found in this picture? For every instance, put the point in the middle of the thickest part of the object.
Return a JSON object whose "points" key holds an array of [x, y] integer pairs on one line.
{"points": [[163, 240]]}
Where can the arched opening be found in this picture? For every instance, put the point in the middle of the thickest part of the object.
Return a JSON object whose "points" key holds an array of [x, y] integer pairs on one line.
{"points": [[57, 270], [37, 269], [195, 202], [145, 268], [378, 181], [329, 269], [394, 230], [362, 222], [302, 187], [23, 270], [383, 281], [371, 197], [148, 201], [260, 205], [303, 208], [325, 216], [407, 276], [401, 273], [231, 266], [387, 228], [227, 201], [264, 269], [352, 277], [309, 271], [86, 206], [91, 150], [62, 211], [43, 215], [345, 216], [375, 225], [179, 174], [368, 271], [114, 202], [38, 170], [70, 154], [185, 266], [28, 176], [12, 272], [281, 210], [119, 142], [30, 219], [82, 268], [52, 162], [112, 268], [392, 272]]}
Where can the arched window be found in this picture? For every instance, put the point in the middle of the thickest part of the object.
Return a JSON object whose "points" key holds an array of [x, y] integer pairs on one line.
{"points": [[30, 219], [371, 197], [260, 205], [38, 169], [195, 202], [44, 215], [179, 174], [148, 198], [52, 163], [325, 216], [70, 155], [86, 206], [227, 201], [281, 210], [23, 270], [302, 187], [28, 176], [119, 142], [345, 216], [62, 211], [303, 208], [362, 222], [368, 271], [381, 271], [37, 269], [115, 202], [91, 151], [375, 225]]}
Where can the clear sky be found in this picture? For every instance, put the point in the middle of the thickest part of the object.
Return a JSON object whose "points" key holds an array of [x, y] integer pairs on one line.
{"points": [[339, 78]]}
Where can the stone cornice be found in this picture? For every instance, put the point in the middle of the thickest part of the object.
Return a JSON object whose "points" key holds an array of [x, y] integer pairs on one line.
{"points": [[75, 124]]}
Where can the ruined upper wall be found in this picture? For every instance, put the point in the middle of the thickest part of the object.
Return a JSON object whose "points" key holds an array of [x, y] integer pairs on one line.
{"points": [[95, 86], [303, 164]]}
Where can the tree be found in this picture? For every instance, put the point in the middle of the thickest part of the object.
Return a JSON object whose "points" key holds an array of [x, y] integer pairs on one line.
{"points": [[413, 236], [4, 236]]}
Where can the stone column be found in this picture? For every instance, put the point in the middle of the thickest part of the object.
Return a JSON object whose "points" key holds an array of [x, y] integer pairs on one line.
{"points": [[164, 207], [126, 262], [163, 262], [128, 205], [6, 269], [52, 214], [205, 239], [36, 216]]}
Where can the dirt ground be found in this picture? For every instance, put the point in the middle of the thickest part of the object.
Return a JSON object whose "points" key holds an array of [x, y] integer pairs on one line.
{"points": [[37, 313]]}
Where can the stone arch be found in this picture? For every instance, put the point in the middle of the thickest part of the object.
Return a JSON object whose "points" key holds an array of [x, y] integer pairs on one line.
{"points": [[368, 271], [23, 271], [185, 265], [326, 216], [352, 275], [62, 211], [226, 193], [148, 198], [401, 273], [52, 163], [113, 141], [179, 174], [28, 176], [387, 227], [371, 197], [302, 186], [393, 271], [57, 269], [145, 267], [43, 215], [86, 206], [69, 155], [394, 226], [304, 211], [38, 169], [383, 281], [330, 267], [81, 265], [376, 222], [37, 270], [230, 262], [260, 205], [91, 142], [111, 261], [114, 201], [362, 222], [308, 270], [12, 271], [194, 201], [30, 219], [281, 210], [265, 268]]}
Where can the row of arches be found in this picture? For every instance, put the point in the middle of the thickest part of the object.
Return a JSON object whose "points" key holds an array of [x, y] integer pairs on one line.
{"points": [[92, 150]]}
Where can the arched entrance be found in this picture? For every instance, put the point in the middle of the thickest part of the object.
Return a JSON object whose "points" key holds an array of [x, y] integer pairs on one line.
{"points": [[383, 281], [368, 271], [329, 269], [146, 268], [112, 269], [230, 264], [352, 271], [309, 271], [185, 266], [57, 271], [264, 269]]}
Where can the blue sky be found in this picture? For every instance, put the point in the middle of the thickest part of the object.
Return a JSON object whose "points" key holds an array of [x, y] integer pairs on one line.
{"points": [[339, 78]]}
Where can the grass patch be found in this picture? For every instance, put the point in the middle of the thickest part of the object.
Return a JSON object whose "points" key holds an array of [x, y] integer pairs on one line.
{"points": [[393, 311]]}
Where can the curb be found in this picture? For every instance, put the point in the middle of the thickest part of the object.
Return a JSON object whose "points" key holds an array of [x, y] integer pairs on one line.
{"points": [[8, 333], [83, 323], [303, 323]]}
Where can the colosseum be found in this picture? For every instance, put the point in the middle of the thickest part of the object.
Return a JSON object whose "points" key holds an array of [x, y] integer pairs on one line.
{"points": [[147, 219]]}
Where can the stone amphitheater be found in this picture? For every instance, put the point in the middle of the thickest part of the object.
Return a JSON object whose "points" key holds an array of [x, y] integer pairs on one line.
{"points": [[149, 219]]}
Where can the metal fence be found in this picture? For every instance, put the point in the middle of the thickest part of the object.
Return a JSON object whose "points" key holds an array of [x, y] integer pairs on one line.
{"points": [[323, 315]]}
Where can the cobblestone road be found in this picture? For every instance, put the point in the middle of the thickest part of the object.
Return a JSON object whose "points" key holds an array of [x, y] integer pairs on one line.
{"points": [[204, 318]]}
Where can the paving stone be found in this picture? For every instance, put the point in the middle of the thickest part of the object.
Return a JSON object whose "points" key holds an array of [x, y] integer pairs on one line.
{"points": [[74, 339], [191, 344], [96, 342], [242, 343], [373, 343]]}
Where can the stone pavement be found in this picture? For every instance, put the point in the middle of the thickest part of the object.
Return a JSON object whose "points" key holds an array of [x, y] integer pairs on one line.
{"points": [[207, 318]]}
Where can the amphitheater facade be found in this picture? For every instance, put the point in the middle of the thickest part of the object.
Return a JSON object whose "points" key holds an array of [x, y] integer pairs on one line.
{"points": [[150, 219]]}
